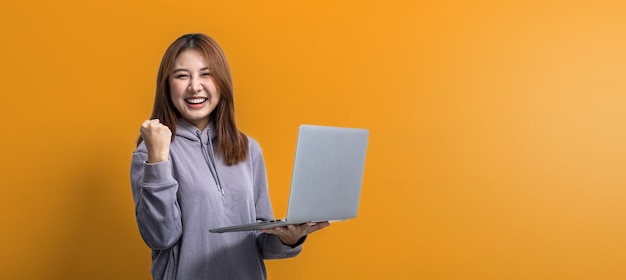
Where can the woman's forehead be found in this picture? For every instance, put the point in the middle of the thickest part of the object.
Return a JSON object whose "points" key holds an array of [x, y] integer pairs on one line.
{"points": [[192, 59]]}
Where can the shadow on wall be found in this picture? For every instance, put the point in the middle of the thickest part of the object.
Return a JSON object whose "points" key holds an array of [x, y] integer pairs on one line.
{"points": [[100, 239]]}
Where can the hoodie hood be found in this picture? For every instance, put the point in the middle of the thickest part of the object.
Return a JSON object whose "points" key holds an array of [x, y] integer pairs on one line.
{"points": [[189, 131]]}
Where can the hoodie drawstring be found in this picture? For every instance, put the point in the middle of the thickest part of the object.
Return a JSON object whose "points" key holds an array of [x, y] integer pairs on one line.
{"points": [[210, 159]]}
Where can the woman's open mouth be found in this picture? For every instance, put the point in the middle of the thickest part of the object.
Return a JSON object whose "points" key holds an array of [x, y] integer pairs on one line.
{"points": [[196, 100]]}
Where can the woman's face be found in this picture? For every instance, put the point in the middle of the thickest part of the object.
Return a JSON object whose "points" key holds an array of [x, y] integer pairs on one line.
{"points": [[192, 89]]}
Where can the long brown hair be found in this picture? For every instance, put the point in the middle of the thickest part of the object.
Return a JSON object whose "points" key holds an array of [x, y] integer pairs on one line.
{"points": [[232, 143]]}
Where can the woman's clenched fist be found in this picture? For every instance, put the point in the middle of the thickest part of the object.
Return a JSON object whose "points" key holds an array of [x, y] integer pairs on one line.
{"points": [[157, 138]]}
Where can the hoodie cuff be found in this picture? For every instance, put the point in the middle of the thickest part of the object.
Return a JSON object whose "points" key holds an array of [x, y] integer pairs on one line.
{"points": [[297, 243], [157, 173]]}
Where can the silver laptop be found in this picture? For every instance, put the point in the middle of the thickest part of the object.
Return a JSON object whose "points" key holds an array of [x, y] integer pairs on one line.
{"points": [[326, 179]]}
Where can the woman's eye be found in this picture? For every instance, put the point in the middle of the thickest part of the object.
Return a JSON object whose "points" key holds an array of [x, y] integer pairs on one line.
{"points": [[206, 74], [181, 76]]}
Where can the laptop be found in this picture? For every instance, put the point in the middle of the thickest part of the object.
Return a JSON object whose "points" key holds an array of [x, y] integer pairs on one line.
{"points": [[326, 180]]}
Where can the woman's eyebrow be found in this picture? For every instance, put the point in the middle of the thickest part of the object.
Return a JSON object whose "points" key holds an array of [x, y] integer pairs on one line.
{"points": [[184, 69], [179, 70]]}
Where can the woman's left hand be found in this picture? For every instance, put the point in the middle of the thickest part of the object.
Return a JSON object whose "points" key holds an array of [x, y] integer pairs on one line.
{"points": [[291, 234]]}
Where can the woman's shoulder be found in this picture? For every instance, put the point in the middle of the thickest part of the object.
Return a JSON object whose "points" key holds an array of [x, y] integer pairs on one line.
{"points": [[141, 148], [253, 145]]}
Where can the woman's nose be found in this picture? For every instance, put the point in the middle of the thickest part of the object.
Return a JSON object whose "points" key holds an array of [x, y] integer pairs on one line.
{"points": [[196, 85]]}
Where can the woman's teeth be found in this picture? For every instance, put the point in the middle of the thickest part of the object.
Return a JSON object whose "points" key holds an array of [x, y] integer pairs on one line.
{"points": [[196, 100]]}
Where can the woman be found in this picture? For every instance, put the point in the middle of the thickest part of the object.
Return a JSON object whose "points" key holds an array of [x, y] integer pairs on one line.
{"points": [[194, 170]]}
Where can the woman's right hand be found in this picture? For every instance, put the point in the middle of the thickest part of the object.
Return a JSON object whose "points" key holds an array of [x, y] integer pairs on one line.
{"points": [[157, 138]]}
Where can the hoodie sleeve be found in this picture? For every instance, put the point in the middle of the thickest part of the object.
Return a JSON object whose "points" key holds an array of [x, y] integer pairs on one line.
{"points": [[156, 206], [270, 245]]}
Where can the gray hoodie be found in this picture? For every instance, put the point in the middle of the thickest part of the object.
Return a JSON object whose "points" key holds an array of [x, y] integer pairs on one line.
{"points": [[178, 201]]}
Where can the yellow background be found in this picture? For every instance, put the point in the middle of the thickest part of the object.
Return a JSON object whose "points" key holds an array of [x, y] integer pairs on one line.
{"points": [[496, 147]]}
